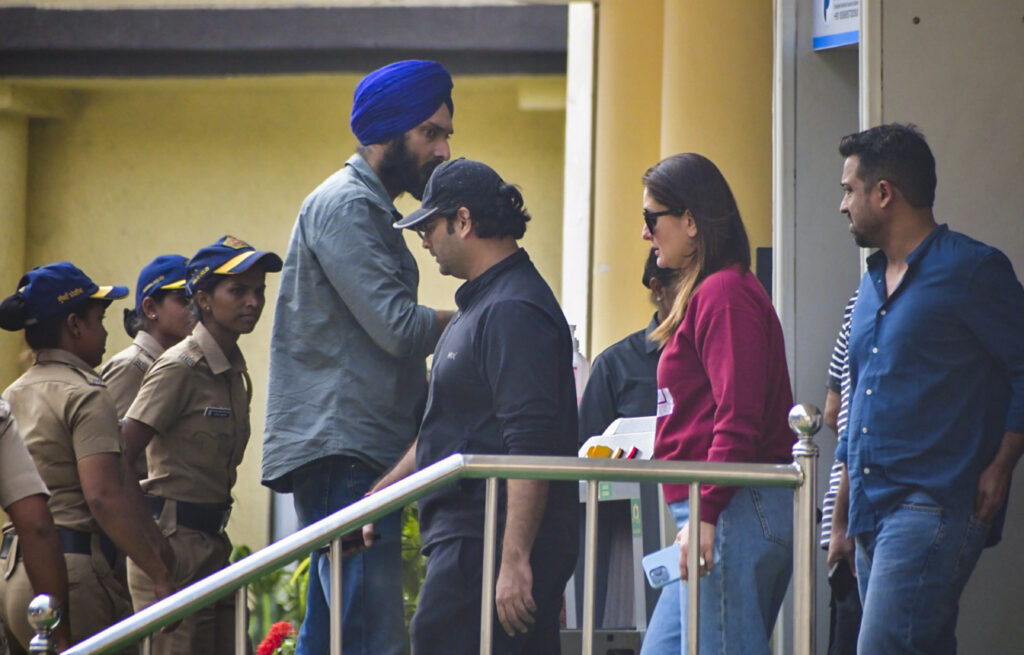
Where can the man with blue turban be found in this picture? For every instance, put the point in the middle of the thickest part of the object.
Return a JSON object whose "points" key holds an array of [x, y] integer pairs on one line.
{"points": [[348, 348]]}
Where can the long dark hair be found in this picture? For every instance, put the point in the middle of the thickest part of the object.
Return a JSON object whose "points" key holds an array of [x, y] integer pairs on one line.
{"points": [[692, 182]]}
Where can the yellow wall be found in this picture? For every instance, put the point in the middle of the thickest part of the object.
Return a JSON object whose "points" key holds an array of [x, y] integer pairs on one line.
{"points": [[673, 76], [148, 167], [13, 172], [628, 129], [718, 97]]}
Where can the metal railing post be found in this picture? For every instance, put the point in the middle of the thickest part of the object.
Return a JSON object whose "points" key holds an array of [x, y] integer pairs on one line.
{"points": [[589, 567], [805, 421], [336, 609], [147, 645], [692, 617], [487, 586], [43, 616], [242, 620]]}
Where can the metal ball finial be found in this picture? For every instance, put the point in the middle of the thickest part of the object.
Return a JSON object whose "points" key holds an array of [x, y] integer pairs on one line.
{"points": [[805, 420], [43, 616]]}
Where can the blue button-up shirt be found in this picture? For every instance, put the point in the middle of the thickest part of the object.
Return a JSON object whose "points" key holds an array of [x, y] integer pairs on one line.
{"points": [[936, 375], [348, 349]]}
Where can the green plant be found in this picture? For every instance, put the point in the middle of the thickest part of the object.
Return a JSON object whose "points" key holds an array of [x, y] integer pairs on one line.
{"points": [[281, 595], [414, 565]]}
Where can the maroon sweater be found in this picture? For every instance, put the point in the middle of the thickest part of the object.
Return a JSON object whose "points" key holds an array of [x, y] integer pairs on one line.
{"points": [[723, 385]]}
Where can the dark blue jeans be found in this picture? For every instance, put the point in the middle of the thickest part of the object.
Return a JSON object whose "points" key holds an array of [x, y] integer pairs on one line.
{"points": [[373, 621], [911, 571]]}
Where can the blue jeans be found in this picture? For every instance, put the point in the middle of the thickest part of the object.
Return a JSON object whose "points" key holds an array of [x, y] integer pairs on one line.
{"points": [[740, 598], [911, 571], [373, 621]]}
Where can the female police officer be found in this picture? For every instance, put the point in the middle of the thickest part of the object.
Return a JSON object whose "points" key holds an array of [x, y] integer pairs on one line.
{"points": [[161, 318], [69, 424], [192, 417]]}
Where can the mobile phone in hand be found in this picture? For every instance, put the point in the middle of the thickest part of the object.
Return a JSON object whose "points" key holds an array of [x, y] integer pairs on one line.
{"points": [[662, 566]]}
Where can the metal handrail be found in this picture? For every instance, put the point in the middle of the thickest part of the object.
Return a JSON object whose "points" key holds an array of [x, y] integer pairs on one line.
{"points": [[801, 475]]}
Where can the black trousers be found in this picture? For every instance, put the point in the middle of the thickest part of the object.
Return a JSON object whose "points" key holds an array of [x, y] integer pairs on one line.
{"points": [[845, 611], [447, 619]]}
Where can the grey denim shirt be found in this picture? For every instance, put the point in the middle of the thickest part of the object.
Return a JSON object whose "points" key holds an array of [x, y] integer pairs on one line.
{"points": [[349, 342]]}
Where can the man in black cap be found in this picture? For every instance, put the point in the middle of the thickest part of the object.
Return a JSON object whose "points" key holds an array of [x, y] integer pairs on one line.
{"points": [[349, 343], [501, 383]]}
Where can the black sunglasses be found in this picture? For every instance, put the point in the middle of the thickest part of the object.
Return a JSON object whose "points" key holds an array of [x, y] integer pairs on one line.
{"points": [[651, 218]]}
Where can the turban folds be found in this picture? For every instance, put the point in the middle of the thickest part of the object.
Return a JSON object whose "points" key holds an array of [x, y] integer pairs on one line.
{"points": [[392, 100]]}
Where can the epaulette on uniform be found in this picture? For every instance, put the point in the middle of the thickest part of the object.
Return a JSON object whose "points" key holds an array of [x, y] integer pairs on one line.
{"points": [[191, 355], [139, 362], [90, 378]]}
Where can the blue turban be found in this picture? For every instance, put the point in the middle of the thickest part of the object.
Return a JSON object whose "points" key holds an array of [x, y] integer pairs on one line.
{"points": [[392, 100]]}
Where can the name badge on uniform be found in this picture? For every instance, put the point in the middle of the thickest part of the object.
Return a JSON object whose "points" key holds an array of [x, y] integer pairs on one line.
{"points": [[218, 412], [665, 403]]}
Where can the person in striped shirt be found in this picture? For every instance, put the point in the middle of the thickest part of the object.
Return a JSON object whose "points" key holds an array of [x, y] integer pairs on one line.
{"points": [[844, 605]]}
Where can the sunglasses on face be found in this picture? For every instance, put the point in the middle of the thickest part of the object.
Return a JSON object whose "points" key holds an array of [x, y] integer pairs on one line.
{"points": [[651, 218]]}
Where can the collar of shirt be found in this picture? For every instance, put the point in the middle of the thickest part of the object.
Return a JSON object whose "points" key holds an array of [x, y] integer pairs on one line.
{"points": [[365, 173], [651, 346], [60, 356], [215, 357], [470, 290], [150, 345], [877, 261]]}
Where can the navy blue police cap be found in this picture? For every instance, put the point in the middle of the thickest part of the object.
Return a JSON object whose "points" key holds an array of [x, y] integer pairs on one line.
{"points": [[57, 289], [228, 256], [166, 272]]}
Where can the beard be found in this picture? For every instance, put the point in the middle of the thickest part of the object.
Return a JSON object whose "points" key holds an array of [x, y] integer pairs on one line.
{"points": [[862, 240], [400, 169], [865, 234]]}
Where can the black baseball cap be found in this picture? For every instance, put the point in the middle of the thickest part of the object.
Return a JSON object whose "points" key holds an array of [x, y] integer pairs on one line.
{"points": [[457, 183]]}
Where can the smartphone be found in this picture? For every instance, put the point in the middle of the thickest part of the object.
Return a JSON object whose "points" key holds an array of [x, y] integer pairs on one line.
{"points": [[662, 566]]}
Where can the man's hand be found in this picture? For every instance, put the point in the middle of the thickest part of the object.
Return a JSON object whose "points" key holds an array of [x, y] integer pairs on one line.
{"points": [[707, 548], [513, 594], [841, 547], [992, 488], [368, 535]]}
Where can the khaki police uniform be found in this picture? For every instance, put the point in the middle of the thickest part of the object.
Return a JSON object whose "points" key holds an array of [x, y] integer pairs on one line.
{"points": [[196, 400], [18, 475], [65, 414], [18, 479], [123, 374]]}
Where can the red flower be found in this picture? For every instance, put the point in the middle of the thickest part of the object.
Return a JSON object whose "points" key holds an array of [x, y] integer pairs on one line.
{"points": [[275, 636]]}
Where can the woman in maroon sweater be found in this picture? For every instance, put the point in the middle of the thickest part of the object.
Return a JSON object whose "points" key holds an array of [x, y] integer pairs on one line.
{"points": [[723, 396]]}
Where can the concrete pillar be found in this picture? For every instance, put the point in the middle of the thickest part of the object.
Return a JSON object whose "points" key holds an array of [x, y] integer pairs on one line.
{"points": [[17, 106], [626, 142], [717, 97]]}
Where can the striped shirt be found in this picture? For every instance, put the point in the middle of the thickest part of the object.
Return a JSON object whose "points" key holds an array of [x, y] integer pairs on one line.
{"points": [[839, 381]]}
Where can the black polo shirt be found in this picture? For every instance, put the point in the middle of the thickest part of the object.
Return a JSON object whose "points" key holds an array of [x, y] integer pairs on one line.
{"points": [[622, 383], [501, 383]]}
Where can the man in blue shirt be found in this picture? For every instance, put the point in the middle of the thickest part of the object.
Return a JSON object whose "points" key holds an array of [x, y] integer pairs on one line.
{"points": [[501, 384], [349, 344], [936, 421]]}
